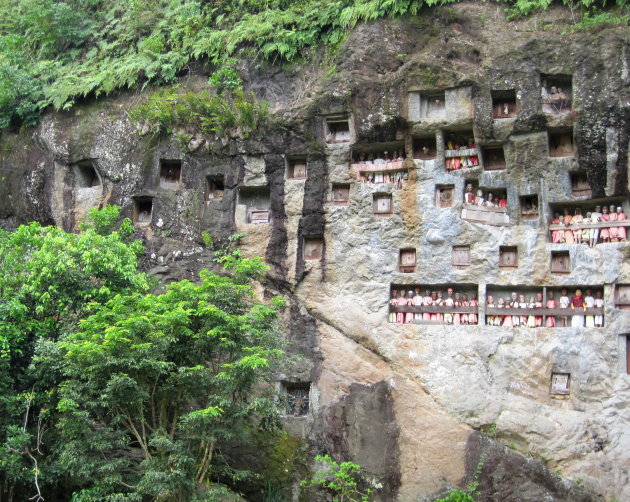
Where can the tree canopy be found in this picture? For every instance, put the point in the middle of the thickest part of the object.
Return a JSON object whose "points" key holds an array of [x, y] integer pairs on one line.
{"points": [[111, 392]]}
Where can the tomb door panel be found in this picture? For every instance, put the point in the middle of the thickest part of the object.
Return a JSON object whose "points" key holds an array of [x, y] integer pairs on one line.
{"points": [[383, 205], [623, 295], [559, 383]]}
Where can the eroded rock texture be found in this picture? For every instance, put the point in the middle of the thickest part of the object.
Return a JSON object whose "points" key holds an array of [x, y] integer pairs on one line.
{"points": [[404, 400]]}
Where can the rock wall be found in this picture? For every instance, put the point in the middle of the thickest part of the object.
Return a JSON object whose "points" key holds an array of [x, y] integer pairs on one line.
{"points": [[404, 400]]}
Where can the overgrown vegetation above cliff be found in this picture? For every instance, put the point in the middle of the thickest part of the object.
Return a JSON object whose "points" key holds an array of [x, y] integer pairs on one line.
{"points": [[54, 52]]}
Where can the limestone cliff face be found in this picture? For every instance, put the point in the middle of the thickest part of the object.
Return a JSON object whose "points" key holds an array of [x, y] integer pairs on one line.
{"points": [[404, 400]]}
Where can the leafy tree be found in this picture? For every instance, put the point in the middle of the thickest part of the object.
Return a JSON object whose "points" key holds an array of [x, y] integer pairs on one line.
{"points": [[152, 385], [49, 281], [341, 478], [108, 392]]}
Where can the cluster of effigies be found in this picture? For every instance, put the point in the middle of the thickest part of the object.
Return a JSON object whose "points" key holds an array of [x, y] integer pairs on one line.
{"points": [[449, 309], [590, 229], [460, 155], [550, 314], [478, 199], [554, 99], [380, 168]]}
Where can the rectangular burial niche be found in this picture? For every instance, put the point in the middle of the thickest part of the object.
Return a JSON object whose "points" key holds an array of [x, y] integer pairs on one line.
{"points": [[433, 303], [578, 222], [215, 187], [444, 196], [170, 173], [493, 158], [508, 257], [560, 262], [485, 205], [85, 175], [382, 203], [337, 129], [340, 194], [313, 248], [460, 150], [407, 261], [511, 306], [561, 144], [580, 187], [622, 296], [560, 383], [296, 168], [142, 210], [461, 256], [432, 105], [555, 93], [297, 398], [529, 207], [380, 163], [424, 148], [504, 104], [257, 201]]}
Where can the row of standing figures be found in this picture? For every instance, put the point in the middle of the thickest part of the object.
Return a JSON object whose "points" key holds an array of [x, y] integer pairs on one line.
{"points": [[576, 303], [433, 298], [515, 301], [591, 236]]}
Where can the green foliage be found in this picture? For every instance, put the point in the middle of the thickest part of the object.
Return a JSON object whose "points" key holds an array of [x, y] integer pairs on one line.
{"points": [[116, 394], [457, 496], [207, 239], [340, 478], [231, 113], [226, 77], [489, 430], [57, 52]]}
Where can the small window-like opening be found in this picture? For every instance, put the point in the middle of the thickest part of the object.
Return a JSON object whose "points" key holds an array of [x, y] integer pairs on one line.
{"points": [[433, 105], [382, 203], [337, 130], [407, 260], [85, 176], [504, 104], [214, 188], [561, 144], [257, 202], [424, 148], [508, 257], [622, 296], [142, 210], [461, 256], [460, 150], [296, 169], [580, 187], [444, 196], [297, 397], [484, 196], [529, 207], [170, 172], [555, 93], [560, 262], [340, 194], [313, 248], [493, 158], [560, 383]]}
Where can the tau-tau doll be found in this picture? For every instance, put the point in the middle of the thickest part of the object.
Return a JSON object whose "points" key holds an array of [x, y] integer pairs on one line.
{"points": [[577, 303], [551, 304]]}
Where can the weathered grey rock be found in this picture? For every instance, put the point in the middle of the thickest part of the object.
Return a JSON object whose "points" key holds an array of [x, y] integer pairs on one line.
{"points": [[405, 401]]}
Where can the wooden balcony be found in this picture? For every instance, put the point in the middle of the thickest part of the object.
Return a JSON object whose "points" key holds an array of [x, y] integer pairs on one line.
{"points": [[495, 215]]}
